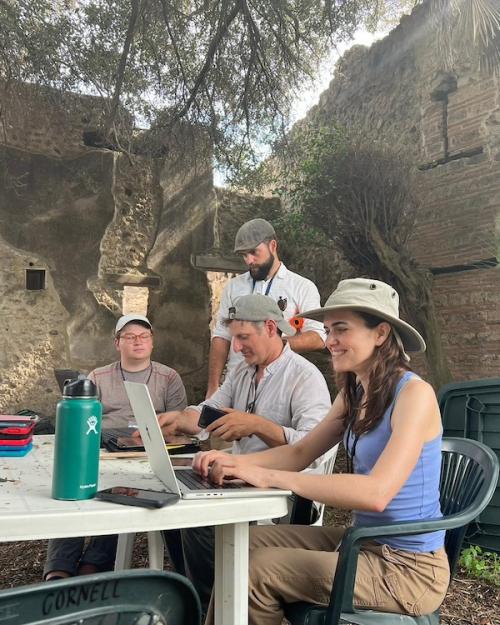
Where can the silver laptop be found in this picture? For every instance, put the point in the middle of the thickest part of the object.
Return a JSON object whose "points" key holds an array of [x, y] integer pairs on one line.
{"points": [[182, 480]]}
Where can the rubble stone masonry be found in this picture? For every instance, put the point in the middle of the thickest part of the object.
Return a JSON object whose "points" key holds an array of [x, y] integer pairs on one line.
{"points": [[448, 121]]}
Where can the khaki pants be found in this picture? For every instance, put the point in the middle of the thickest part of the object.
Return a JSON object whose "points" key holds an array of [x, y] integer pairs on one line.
{"points": [[297, 563]]}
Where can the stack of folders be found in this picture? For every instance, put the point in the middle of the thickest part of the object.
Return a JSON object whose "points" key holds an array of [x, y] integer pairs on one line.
{"points": [[16, 435]]}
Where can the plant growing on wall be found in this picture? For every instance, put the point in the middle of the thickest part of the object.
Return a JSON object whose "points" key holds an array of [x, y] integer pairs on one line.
{"points": [[362, 195], [469, 26]]}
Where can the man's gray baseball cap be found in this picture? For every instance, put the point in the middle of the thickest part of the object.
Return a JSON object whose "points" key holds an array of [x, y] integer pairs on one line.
{"points": [[252, 233], [255, 307]]}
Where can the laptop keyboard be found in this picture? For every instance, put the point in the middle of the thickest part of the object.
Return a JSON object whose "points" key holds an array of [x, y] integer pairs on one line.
{"points": [[195, 482], [108, 433]]}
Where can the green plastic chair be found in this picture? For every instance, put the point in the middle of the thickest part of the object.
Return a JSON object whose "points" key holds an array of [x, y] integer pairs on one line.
{"points": [[469, 475], [138, 597], [471, 409]]}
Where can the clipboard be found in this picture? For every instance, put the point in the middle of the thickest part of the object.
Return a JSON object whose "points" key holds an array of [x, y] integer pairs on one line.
{"points": [[128, 444]]}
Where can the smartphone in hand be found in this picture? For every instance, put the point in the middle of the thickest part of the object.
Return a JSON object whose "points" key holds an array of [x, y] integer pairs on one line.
{"points": [[130, 496], [209, 415]]}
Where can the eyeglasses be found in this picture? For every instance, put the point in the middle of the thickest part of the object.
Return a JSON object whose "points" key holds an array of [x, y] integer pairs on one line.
{"points": [[132, 338]]}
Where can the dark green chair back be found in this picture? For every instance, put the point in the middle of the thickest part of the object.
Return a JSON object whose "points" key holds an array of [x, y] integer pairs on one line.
{"points": [[138, 597], [471, 409], [469, 474]]}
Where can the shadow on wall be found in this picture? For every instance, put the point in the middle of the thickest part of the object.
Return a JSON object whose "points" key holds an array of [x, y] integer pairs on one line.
{"points": [[180, 310], [53, 221]]}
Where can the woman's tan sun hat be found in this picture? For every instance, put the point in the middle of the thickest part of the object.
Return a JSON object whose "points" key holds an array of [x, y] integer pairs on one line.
{"points": [[376, 298]]}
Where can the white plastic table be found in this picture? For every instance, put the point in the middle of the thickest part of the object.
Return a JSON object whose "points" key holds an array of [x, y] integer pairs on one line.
{"points": [[27, 512]]}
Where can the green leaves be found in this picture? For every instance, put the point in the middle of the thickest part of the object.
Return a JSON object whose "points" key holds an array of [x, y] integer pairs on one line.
{"points": [[481, 564], [231, 66], [360, 193], [468, 28]]}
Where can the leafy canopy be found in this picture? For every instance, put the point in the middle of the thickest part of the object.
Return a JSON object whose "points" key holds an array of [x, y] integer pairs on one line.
{"points": [[230, 65], [357, 191]]}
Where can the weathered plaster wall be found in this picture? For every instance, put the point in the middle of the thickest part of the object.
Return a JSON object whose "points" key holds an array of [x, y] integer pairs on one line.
{"points": [[448, 122], [59, 213], [181, 309], [32, 332], [44, 121], [95, 220]]}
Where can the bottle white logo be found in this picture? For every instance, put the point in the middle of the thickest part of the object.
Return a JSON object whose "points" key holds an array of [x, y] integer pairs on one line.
{"points": [[92, 424]]}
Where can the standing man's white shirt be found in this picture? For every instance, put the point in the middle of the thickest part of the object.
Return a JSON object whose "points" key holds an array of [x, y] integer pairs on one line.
{"points": [[293, 294]]}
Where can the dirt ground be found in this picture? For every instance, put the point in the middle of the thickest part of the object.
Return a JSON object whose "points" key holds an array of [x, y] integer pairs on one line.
{"points": [[468, 602]]}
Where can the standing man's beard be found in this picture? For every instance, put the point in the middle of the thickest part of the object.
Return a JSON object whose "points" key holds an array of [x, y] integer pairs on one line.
{"points": [[260, 272]]}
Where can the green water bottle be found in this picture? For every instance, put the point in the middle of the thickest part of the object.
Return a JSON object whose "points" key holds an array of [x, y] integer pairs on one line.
{"points": [[77, 441]]}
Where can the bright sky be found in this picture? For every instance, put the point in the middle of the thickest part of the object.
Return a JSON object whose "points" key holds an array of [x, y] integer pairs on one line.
{"points": [[311, 94]]}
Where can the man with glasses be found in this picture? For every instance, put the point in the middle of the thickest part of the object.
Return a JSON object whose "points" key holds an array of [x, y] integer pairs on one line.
{"points": [[256, 242], [134, 343], [273, 397]]}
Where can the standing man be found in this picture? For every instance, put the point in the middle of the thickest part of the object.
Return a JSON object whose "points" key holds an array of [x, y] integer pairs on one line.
{"points": [[272, 397], [266, 275], [134, 343]]}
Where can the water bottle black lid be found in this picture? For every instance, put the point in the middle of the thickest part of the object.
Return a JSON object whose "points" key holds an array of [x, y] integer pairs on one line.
{"points": [[80, 388]]}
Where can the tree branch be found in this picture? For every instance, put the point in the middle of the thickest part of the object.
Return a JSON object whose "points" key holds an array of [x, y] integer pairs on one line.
{"points": [[115, 101], [212, 49]]}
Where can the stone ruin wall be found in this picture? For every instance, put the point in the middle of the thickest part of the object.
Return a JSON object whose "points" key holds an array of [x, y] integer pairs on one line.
{"points": [[97, 222], [399, 91], [44, 121]]}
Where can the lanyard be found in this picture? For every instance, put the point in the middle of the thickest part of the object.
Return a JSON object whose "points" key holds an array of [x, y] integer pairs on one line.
{"points": [[351, 451], [268, 288], [250, 404], [149, 376], [255, 390], [269, 283]]}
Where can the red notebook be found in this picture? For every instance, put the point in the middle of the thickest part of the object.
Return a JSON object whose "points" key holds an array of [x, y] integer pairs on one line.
{"points": [[13, 427]]}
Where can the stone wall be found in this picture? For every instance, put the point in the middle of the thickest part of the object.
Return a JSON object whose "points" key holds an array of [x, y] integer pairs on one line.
{"points": [[44, 121], [32, 331], [95, 221], [448, 122]]}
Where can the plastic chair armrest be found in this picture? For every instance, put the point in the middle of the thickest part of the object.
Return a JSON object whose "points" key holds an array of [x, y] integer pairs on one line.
{"points": [[341, 597]]}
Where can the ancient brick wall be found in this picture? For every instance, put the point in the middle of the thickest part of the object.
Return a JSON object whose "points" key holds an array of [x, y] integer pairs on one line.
{"points": [[448, 122], [468, 305]]}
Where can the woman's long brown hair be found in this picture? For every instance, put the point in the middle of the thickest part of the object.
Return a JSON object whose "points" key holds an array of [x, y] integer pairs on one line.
{"points": [[388, 363]]}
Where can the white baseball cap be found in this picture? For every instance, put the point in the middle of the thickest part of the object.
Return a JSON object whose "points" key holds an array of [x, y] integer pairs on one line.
{"points": [[122, 321]]}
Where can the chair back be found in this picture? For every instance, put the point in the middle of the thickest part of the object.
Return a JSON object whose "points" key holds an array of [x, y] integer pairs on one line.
{"points": [[471, 409], [469, 475], [304, 511], [139, 597], [65, 375]]}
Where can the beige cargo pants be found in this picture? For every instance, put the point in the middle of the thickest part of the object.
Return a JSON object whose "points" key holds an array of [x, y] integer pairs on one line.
{"points": [[297, 563]]}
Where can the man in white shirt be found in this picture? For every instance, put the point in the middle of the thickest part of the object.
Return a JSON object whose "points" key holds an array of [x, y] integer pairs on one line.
{"points": [[272, 397], [267, 275]]}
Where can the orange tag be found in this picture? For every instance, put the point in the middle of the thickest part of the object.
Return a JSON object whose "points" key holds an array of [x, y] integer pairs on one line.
{"points": [[297, 323]]}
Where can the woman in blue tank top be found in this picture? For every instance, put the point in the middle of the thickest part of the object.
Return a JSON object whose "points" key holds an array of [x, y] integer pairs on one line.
{"points": [[390, 423]]}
